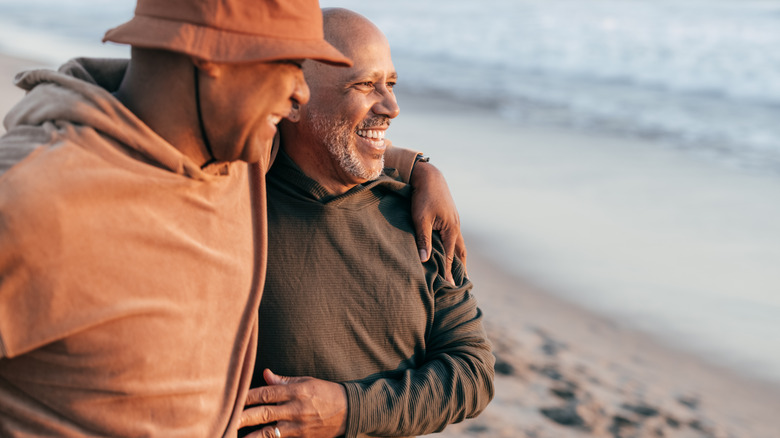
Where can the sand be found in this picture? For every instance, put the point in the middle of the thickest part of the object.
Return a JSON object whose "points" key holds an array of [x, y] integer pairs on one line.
{"points": [[563, 371]]}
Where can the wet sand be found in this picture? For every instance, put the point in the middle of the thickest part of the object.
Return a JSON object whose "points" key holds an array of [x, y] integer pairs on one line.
{"points": [[565, 372]]}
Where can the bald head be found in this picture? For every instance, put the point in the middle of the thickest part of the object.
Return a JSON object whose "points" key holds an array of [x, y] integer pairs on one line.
{"points": [[349, 32], [347, 29]]}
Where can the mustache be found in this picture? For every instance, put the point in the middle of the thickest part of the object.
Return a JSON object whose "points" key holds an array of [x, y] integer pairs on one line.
{"points": [[375, 122]]}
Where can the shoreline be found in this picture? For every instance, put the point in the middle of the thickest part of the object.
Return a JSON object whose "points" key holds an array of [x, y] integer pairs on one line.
{"points": [[562, 370]]}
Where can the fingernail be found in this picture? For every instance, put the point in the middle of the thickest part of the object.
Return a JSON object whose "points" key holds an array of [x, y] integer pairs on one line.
{"points": [[423, 255]]}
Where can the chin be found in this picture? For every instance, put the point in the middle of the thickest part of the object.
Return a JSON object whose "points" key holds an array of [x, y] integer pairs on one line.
{"points": [[259, 151], [376, 171]]}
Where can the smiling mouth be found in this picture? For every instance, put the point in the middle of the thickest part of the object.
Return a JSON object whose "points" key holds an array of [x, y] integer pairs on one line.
{"points": [[374, 136]]}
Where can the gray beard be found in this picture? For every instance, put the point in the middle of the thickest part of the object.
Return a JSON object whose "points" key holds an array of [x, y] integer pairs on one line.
{"points": [[336, 134]]}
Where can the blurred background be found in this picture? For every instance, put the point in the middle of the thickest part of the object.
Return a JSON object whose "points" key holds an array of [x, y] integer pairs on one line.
{"points": [[641, 174]]}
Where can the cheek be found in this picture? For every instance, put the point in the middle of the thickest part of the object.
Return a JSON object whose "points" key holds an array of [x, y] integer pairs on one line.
{"points": [[269, 94], [362, 111], [261, 103]]}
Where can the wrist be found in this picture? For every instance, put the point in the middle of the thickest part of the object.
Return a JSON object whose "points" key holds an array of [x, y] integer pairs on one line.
{"points": [[344, 410], [421, 165]]}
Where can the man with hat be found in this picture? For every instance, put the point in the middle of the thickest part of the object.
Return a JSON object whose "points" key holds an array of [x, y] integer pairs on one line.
{"points": [[132, 229]]}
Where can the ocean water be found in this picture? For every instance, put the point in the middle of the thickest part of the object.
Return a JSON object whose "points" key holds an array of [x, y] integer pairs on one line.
{"points": [[685, 245], [700, 75]]}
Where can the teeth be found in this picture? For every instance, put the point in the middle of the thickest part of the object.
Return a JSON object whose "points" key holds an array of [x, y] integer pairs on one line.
{"points": [[275, 119], [371, 133]]}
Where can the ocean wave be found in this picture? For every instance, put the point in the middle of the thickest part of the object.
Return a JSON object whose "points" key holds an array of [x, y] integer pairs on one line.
{"points": [[700, 74]]}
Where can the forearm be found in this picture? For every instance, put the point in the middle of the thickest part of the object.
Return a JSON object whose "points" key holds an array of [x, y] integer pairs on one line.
{"points": [[455, 381]]}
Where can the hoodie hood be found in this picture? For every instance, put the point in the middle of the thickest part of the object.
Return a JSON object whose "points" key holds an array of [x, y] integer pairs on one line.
{"points": [[79, 94]]}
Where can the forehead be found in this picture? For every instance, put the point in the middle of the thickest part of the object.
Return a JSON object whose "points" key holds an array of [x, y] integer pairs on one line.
{"points": [[370, 57]]}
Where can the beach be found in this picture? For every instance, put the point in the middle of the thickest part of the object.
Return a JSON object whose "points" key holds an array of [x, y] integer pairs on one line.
{"points": [[563, 370]]}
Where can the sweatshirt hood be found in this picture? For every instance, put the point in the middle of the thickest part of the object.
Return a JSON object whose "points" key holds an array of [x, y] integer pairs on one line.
{"points": [[79, 93]]}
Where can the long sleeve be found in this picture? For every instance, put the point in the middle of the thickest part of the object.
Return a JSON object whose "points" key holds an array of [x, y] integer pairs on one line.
{"points": [[409, 348], [454, 382], [402, 160]]}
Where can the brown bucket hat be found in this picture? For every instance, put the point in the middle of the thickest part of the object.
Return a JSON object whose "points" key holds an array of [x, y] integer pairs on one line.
{"points": [[230, 30]]}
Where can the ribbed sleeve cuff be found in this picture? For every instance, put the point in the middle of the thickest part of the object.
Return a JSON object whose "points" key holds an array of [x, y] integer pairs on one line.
{"points": [[354, 395]]}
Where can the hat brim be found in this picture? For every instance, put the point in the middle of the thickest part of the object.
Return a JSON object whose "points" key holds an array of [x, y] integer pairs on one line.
{"points": [[219, 45]]}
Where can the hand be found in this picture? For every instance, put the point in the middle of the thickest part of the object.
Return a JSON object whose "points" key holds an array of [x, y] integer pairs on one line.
{"points": [[434, 209], [300, 406]]}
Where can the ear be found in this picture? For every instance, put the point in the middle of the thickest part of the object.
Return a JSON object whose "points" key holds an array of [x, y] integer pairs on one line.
{"points": [[295, 112], [211, 69]]}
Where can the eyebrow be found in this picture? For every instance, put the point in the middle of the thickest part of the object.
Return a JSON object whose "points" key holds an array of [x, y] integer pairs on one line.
{"points": [[361, 76]]}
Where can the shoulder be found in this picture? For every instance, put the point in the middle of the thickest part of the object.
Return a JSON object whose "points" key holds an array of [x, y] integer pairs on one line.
{"points": [[387, 183], [36, 181], [20, 143]]}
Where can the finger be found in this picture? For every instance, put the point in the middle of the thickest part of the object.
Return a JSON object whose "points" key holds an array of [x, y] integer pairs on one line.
{"points": [[286, 430], [460, 252], [273, 379], [258, 415], [270, 432], [268, 394], [450, 240], [423, 230]]}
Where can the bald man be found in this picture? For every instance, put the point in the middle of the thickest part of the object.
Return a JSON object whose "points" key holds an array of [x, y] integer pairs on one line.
{"points": [[390, 347]]}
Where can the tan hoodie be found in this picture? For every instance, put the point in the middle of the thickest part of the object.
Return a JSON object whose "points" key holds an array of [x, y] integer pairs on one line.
{"points": [[129, 277]]}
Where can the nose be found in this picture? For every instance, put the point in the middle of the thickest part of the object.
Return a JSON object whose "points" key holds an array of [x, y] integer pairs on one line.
{"points": [[300, 92], [387, 104]]}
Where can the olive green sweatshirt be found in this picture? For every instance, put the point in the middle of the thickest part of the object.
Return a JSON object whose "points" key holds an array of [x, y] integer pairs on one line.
{"points": [[346, 299]]}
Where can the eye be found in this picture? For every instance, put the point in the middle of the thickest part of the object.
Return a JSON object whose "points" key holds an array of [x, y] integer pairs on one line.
{"points": [[364, 86], [390, 85], [294, 62]]}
